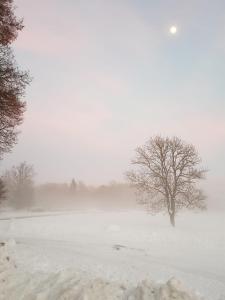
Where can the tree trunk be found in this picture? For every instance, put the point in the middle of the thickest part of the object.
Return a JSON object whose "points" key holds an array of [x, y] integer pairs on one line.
{"points": [[172, 219], [171, 209]]}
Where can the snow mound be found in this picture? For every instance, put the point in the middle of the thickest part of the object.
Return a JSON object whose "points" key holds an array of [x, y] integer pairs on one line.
{"points": [[99, 290], [6, 262], [68, 285], [82, 289], [7, 267], [173, 289]]}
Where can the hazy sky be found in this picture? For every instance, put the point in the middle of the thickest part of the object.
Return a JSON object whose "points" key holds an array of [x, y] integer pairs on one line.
{"points": [[107, 75]]}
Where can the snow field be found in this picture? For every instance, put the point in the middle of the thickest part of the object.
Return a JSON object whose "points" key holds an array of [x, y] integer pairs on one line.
{"points": [[121, 254], [16, 284]]}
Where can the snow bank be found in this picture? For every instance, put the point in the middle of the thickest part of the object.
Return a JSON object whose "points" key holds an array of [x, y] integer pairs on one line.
{"points": [[173, 289], [68, 285], [147, 290], [7, 267], [6, 262]]}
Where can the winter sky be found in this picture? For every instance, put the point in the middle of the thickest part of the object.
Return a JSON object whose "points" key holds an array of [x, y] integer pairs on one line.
{"points": [[108, 74]]}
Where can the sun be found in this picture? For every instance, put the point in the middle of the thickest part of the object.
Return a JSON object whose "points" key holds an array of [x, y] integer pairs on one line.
{"points": [[173, 29]]}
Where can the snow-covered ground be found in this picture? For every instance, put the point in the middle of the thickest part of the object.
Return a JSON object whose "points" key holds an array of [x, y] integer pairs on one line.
{"points": [[111, 253]]}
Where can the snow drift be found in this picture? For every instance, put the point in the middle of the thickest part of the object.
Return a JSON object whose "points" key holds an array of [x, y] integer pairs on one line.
{"points": [[65, 285]]}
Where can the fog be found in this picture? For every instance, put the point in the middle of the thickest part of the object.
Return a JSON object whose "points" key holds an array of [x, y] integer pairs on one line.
{"points": [[114, 195]]}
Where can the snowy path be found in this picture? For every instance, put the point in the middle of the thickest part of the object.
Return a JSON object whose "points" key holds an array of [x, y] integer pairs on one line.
{"points": [[124, 246]]}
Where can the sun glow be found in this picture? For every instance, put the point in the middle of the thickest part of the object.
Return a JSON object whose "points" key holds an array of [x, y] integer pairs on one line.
{"points": [[173, 29]]}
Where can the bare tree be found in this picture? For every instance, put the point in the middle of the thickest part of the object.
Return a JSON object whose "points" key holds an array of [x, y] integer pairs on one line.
{"points": [[19, 183], [166, 174], [12, 80]]}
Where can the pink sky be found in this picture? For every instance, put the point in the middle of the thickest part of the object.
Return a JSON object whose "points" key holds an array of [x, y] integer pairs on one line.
{"points": [[107, 76]]}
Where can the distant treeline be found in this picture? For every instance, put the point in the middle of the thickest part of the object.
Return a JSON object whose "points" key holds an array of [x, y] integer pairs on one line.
{"points": [[77, 193], [19, 191]]}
